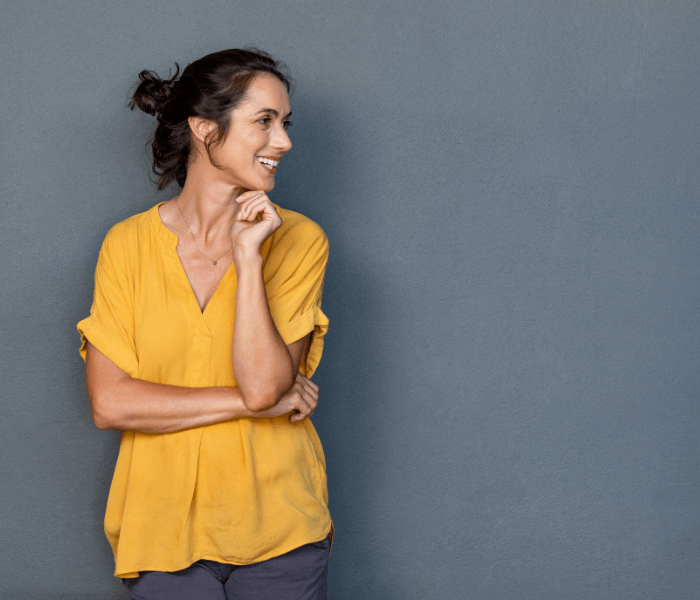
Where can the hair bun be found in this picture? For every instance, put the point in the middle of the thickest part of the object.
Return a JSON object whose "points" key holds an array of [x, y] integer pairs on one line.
{"points": [[153, 93]]}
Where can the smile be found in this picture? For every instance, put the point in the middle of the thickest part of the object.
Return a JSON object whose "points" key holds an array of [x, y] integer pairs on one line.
{"points": [[268, 162]]}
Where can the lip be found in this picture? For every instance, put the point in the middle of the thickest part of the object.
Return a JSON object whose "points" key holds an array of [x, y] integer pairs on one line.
{"points": [[271, 171]]}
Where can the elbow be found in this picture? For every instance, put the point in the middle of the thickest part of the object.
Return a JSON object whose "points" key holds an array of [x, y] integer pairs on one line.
{"points": [[257, 402], [102, 416], [100, 423], [264, 395]]}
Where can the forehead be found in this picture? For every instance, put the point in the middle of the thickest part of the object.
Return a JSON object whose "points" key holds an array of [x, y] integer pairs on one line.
{"points": [[265, 91]]}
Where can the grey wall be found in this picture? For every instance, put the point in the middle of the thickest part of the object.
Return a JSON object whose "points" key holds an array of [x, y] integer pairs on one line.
{"points": [[510, 384]]}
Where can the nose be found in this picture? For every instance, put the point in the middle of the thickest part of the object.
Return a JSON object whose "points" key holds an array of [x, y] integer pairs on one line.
{"points": [[280, 140]]}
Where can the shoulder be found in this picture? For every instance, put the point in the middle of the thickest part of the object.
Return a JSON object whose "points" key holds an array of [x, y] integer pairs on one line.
{"points": [[299, 231], [124, 238], [299, 246], [129, 231]]}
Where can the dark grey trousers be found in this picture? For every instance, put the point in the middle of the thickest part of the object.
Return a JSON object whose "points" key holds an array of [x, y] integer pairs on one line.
{"points": [[296, 575]]}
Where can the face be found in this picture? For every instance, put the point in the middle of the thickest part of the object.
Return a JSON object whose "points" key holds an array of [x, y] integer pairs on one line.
{"points": [[257, 138]]}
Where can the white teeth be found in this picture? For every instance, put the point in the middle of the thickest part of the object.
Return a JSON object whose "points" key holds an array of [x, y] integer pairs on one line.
{"points": [[268, 162]]}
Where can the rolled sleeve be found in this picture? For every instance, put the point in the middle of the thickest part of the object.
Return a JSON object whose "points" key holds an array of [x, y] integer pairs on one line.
{"points": [[296, 289], [110, 326]]}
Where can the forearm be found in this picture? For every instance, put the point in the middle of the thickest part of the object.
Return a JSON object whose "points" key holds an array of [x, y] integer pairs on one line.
{"points": [[262, 363], [157, 408]]}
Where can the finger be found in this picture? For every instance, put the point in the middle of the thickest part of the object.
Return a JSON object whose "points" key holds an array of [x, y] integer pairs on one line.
{"points": [[296, 417], [310, 386], [244, 200], [248, 195], [262, 204], [311, 396], [311, 400], [250, 210], [306, 381], [304, 410], [248, 206]]}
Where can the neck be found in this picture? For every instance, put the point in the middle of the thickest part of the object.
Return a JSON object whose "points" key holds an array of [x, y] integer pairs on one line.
{"points": [[209, 204]]}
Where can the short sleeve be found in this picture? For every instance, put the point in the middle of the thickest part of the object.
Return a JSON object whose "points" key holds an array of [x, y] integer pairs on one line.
{"points": [[110, 326], [298, 266]]}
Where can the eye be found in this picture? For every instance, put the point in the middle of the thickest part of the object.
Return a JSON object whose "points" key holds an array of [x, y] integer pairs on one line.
{"points": [[265, 121], [287, 124]]}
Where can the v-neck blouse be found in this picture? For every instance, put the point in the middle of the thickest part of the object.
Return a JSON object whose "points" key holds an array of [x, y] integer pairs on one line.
{"points": [[238, 492]]}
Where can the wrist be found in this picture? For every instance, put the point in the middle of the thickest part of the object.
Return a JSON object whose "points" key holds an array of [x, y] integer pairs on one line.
{"points": [[244, 255]]}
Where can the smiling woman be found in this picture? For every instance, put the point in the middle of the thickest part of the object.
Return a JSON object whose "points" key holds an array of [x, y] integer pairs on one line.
{"points": [[205, 328], [257, 138]]}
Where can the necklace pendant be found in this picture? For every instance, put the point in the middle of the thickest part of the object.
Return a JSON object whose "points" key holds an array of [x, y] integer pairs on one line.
{"points": [[214, 263]]}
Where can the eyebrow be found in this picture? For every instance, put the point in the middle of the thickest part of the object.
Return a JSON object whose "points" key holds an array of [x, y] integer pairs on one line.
{"points": [[273, 112]]}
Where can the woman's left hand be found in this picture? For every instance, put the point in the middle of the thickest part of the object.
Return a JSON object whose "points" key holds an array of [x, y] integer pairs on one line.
{"points": [[249, 232]]}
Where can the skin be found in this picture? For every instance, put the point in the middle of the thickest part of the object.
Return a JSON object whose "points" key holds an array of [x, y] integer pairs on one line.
{"points": [[226, 206]]}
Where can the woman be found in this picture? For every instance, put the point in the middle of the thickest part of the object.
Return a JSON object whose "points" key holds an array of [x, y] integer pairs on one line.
{"points": [[220, 489]]}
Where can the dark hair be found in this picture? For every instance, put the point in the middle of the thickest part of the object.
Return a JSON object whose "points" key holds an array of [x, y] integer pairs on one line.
{"points": [[210, 88]]}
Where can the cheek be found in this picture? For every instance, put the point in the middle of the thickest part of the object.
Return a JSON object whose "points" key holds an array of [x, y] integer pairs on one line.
{"points": [[232, 156]]}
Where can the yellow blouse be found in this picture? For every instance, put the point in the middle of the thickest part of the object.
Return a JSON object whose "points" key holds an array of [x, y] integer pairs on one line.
{"points": [[238, 492]]}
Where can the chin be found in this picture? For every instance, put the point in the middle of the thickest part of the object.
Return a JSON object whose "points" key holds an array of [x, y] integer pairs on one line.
{"points": [[267, 186]]}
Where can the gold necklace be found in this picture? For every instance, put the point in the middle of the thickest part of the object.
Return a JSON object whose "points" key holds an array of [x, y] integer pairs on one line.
{"points": [[213, 260]]}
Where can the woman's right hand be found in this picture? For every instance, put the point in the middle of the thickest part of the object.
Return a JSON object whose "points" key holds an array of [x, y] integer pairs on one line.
{"points": [[301, 400]]}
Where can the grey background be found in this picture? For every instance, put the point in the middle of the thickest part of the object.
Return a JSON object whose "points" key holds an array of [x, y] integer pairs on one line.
{"points": [[510, 383]]}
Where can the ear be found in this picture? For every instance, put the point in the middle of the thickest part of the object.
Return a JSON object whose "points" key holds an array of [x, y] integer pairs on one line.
{"points": [[201, 128]]}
